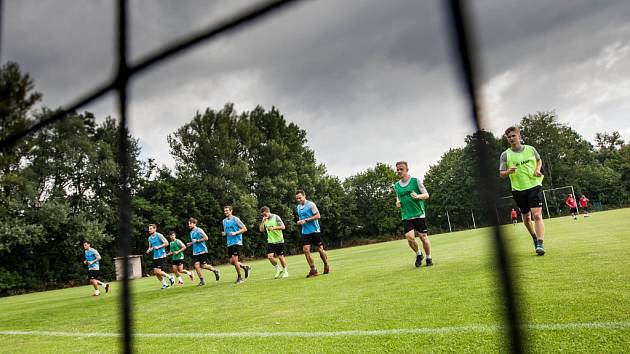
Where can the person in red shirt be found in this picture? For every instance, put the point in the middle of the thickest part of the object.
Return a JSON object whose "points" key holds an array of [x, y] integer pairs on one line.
{"points": [[514, 216], [584, 205], [570, 202]]}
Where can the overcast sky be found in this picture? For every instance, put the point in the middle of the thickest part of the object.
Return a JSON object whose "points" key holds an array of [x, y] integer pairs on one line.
{"points": [[370, 81]]}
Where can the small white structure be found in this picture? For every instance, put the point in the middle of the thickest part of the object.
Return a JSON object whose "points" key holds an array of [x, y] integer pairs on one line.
{"points": [[135, 266]]}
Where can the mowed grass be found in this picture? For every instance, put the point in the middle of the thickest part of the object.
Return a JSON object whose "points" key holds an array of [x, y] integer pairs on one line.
{"points": [[574, 299]]}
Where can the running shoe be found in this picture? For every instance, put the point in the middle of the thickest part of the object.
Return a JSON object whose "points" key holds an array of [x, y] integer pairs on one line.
{"points": [[191, 275], [419, 260], [165, 286], [217, 274], [247, 270], [312, 273], [278, 272], [326, 269], [239, 280], [429, 262], [201, 283], [285, 273], [540, 250], [180, 282], [172, 280], [106, 287]]}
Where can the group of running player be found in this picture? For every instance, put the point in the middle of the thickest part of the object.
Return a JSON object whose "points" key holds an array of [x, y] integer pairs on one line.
{"points": [[520, 163], [233, 230]]}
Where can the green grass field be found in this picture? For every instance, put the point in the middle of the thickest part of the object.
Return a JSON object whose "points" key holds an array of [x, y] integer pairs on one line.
{"points": [[575, 299]]}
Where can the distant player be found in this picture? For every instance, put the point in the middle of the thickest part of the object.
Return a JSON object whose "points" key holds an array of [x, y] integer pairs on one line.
{"points": [[584, 205], [233, 229], [514, 216], [410, 197], [176, 251], [572, 204], [308, 218], [522, 164], [92, 259], [198, 240], [157, 245], [272, 225]]}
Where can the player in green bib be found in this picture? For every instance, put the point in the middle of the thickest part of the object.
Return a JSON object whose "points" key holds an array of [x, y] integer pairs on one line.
{"points": [[522, 164], [410, 197], [176, 251], [272, 225]]}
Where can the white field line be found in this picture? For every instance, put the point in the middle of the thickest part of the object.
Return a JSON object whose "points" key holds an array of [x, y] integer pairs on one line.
{"points": [[354, 333]]}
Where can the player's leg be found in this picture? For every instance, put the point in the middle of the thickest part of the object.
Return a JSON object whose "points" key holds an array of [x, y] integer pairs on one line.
{"points": [[272, 260], [285, 271], [410, 235], [324, 256], [522, 200], [177, 273], [426, 245], [306, 248], [539, 225], [237, 266]]}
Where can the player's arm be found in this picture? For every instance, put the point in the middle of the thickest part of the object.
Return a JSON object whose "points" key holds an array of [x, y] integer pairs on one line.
{"points": [[96, 259], [242, 228], [504, 171], [279, 226], [150, 248], [182, 247], [261, 227], [164, 242], [204, 237], [424, 194]]}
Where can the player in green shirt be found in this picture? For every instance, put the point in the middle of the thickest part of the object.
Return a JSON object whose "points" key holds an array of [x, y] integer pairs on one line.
{"points": [[410, 197], [272, 225], [522, 164], [176, 251]]}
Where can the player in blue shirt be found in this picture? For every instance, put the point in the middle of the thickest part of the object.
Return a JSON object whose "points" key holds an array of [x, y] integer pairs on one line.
{"points": [[157, 245], [198, 240], [92, 259], [233, 229], [308, 218]]}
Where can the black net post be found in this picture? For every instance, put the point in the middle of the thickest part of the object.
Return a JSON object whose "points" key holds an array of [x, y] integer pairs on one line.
{"points": [[124, 207], [487, 172]]}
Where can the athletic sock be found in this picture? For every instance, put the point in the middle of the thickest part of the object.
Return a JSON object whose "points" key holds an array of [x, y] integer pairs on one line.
{"points": [[179, 279], [419, 253], [428, 256], [96, 292]]}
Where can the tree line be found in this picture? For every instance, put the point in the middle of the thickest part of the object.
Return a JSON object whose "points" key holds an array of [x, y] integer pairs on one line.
{"points": [[59, 185]]}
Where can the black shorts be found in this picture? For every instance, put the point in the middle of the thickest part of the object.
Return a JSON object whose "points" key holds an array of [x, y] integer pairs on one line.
{"points": [[177, 262], [92, 273], [585, 208], [528, 199], [201, 258], [159, 263], [234, 250], [314, 239], [418, 224], [514, 219], [277, 248], [574, 210]]}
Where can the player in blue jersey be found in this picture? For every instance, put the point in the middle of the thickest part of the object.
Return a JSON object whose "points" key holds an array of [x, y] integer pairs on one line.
{"points": [[308, 218], [157, 245], [92, 259], [233, 229], [198, 240]]}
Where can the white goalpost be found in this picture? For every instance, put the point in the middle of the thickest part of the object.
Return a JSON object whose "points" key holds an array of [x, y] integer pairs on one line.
{"points": [[548, 194], [552, 190]]}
